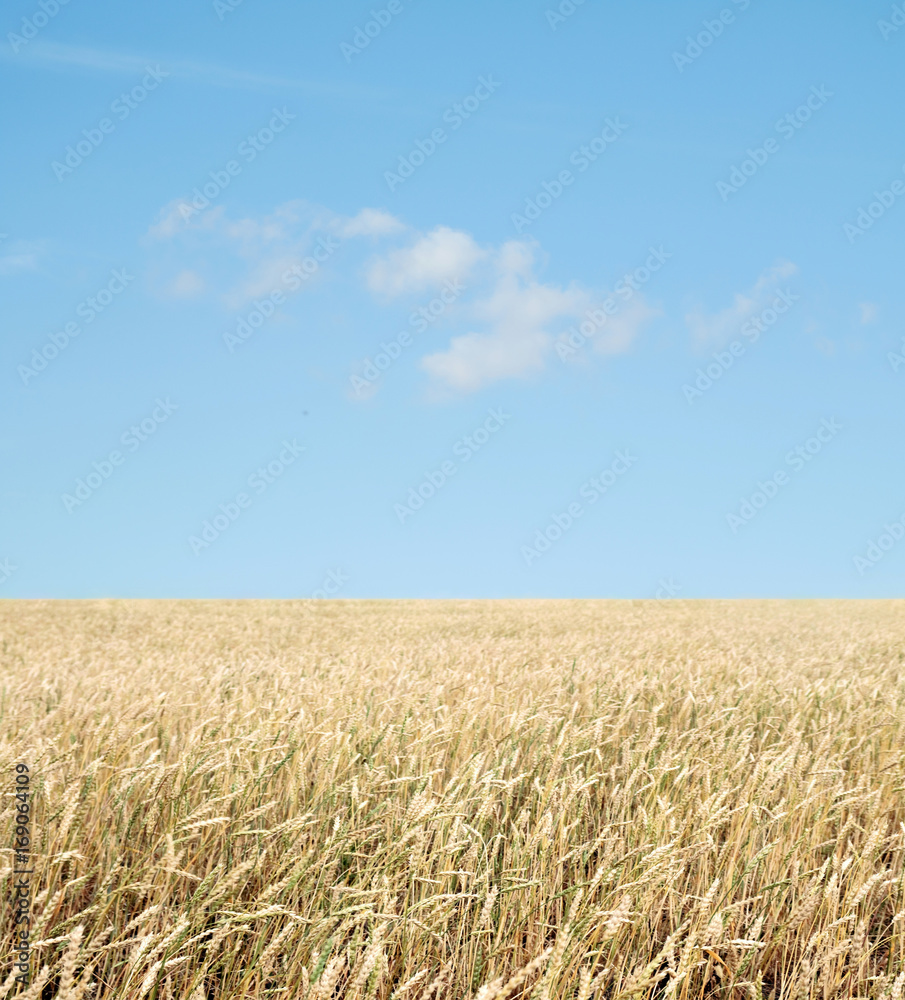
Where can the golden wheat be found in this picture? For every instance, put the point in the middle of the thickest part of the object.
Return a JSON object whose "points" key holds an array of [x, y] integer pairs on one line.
{"points": [[564, 799]]}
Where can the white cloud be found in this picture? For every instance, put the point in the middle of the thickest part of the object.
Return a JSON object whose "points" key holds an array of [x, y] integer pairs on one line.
{"points": [[512, 313], [516, 315], [442, 254], [715, 330], [369, 222], [476, 360]]}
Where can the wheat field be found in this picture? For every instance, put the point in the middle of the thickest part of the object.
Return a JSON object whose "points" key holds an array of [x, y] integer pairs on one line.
{"points": [[458, 799]]}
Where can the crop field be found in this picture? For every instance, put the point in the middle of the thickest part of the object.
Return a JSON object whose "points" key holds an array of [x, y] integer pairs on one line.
{"points": [[455, 799]]}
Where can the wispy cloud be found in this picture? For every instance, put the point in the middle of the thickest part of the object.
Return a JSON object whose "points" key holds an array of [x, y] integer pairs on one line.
{"points": [[59, 56], [186, 285], [868, 313], [714, 330], [621, 329], [255, 251], [369, 222], [22, 255]]}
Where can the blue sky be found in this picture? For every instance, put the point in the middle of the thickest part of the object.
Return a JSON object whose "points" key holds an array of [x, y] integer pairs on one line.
{"points": [[452, 300]]}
